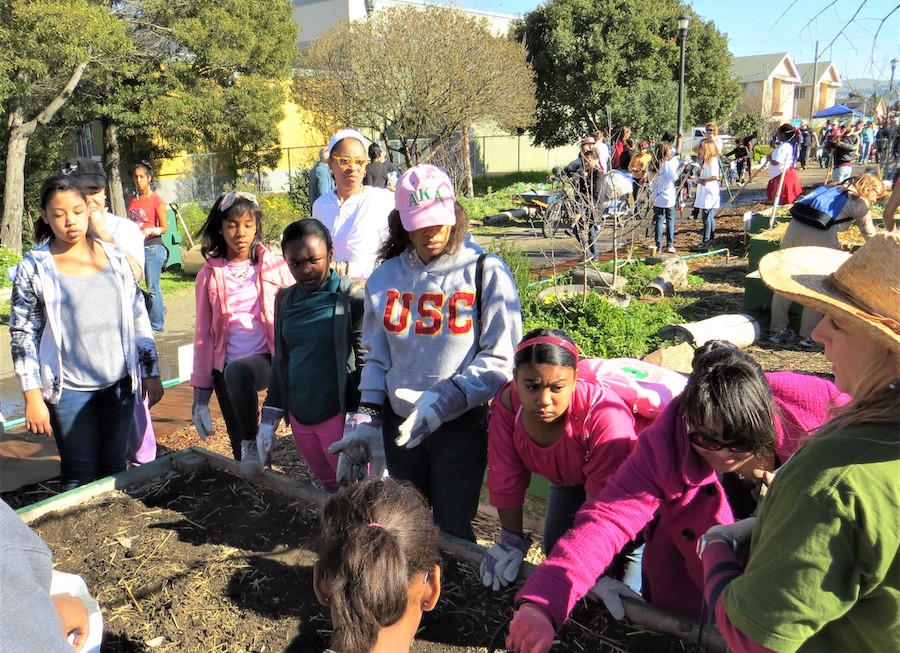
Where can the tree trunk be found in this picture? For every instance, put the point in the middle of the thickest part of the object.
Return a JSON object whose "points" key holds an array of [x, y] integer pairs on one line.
{"points": [[20, 132], [14, 191], [113, 156], [467, 163]]}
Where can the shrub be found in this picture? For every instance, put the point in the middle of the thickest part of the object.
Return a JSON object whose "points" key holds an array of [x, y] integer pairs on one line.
{"points": [[601, 329], [8, 258], [482, 183], [597, 327], [298, 184]]}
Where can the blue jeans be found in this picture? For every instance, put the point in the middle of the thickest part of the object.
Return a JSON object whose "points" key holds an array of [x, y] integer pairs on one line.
{"points": [[237, 391], [155, 257], [709, 224], [448, 467], [91, 430], [841, 173], [563, 502], [666, 215]]}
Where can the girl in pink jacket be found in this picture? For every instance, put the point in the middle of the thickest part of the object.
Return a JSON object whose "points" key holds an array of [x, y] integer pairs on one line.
{"points": [[234, 334], [574, 432], [692, 468]]}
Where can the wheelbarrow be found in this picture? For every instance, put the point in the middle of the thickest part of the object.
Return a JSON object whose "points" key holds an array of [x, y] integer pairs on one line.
{"points": [[549, 208]]}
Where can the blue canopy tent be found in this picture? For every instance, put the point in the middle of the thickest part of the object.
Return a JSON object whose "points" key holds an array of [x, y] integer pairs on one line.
{"points": [[838, 110]]}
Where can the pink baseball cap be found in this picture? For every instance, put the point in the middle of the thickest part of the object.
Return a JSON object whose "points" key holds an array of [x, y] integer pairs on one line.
{"points": [[425, 198]]}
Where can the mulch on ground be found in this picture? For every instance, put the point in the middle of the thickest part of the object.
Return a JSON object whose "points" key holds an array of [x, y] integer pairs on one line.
{"points": [[212, 562]]}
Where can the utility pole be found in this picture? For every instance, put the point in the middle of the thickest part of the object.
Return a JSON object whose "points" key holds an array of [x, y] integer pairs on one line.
{"points": [[815, 84], [683, 23]]}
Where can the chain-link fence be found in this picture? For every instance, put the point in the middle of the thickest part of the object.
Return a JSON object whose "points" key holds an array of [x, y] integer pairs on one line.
{"points": [[202, 177]]}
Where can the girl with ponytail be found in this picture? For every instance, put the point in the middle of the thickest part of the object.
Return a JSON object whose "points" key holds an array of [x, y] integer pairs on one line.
{"points": [[379, 566]]}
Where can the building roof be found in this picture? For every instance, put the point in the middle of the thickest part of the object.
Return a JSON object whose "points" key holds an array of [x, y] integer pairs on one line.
{"points": [[760, 67], [826, 68]]}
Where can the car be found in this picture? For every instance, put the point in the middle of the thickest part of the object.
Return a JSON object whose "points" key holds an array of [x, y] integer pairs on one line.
{"points": [[697, 134]]}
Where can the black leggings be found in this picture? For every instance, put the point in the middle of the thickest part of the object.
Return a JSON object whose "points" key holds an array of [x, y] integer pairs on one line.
{"points": [[237, 388]]}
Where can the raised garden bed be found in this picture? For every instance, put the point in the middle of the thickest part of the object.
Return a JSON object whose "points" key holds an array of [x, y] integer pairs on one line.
{"points": [[185, 556]]}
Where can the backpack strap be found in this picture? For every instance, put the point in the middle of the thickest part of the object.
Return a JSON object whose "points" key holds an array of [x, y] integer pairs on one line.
{"points": [[479, 287]]}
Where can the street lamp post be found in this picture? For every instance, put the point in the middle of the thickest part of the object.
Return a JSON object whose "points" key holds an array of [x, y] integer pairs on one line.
{"points": [[683, 24]]}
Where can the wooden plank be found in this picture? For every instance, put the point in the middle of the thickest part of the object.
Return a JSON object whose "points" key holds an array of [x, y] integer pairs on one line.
{"points": [[638, 613]]}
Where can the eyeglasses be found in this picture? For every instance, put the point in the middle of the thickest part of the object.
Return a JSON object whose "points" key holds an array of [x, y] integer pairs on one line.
{"points": [[710, 443], [345, 162], [229, 198]]}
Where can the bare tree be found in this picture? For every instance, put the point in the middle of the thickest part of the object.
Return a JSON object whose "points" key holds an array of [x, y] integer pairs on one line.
{"points": [[420, 75]]}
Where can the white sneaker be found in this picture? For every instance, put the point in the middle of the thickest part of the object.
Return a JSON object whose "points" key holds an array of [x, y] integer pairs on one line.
{"points": [[670, 249], [251, 464], [783, 337]]}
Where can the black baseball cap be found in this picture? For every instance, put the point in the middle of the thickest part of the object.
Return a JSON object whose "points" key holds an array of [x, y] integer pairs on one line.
{"points": [[87, 172]]}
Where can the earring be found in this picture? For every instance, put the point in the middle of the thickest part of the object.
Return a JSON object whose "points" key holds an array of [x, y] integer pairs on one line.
{"points": [[424, 605]]}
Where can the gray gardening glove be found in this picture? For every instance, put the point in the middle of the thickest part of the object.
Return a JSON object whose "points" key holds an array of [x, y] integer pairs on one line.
{"points": [[200, 412], [361, 449], [501, 563], [611, 592], [265, 435]]}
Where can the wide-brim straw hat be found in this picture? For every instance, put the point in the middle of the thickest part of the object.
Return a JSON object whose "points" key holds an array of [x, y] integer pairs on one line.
{"points": [[862, 289]]}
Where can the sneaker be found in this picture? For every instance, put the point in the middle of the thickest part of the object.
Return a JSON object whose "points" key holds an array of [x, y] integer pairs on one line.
{"points": [[251, 464], [670, 249], [809, 344], [783, 337]]}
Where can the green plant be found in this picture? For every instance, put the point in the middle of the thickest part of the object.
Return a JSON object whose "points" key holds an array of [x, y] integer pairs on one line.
{"points": [[745, 124], [518, 264], [599, 328], [8, 258], [194, 217], [298, 192], [485, 184]]}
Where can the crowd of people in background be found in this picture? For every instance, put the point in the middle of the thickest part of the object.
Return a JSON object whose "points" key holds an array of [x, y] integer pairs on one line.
{"points": [[391, 345]]}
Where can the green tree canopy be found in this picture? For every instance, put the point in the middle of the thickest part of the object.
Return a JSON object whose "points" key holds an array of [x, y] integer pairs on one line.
{"points": [[53, 43], [591, 57]]}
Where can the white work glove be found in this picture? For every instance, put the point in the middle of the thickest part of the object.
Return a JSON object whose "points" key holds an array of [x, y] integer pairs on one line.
{"points": [[200, 412], [611, 592], [501, 563], [361, 449], [422, 421], [265, 435], [739, 532]]}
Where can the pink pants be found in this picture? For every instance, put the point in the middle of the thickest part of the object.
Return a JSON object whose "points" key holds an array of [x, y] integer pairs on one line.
{"points": [[313, 441]]}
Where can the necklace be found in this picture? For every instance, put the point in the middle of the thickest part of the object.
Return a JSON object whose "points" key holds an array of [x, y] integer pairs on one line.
{"points": [[239, 271]]}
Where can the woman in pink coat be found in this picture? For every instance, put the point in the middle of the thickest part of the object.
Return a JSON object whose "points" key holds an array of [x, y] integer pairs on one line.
{"points": [[679, 481]]}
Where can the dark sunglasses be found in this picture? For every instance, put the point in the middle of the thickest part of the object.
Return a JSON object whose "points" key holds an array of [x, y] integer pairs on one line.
{"points": [[714, 444]]}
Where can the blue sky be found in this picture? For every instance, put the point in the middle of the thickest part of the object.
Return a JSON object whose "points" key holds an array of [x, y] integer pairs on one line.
{"points": [[765, 26]]}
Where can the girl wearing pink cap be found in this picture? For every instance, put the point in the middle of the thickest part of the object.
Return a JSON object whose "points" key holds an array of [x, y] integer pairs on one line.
{"points": [[441, 324]]}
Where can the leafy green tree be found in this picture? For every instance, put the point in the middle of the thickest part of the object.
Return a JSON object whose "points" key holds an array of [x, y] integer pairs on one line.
{"points": [[744, 124], [203, 75], [417, 74], [55, 42], [596, 61]]}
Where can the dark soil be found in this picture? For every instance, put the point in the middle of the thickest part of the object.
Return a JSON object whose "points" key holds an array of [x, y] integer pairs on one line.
{"points": [[211, 562]]}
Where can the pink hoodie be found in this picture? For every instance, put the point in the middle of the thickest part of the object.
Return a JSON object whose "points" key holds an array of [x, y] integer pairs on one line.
{"points": [[210, 328], [666, 490]]}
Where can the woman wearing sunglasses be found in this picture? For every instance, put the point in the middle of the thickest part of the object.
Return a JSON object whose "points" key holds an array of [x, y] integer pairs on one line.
{"points": [[234, 333], [694, 467], [356, 215]]}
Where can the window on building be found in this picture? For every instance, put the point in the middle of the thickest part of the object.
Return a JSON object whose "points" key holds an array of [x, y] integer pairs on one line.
{"points": [[800, 93], [84, 142]]}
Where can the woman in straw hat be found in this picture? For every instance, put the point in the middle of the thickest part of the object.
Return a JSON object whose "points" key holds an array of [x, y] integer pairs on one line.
{"points": [[861, 194], [823, 572]]}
